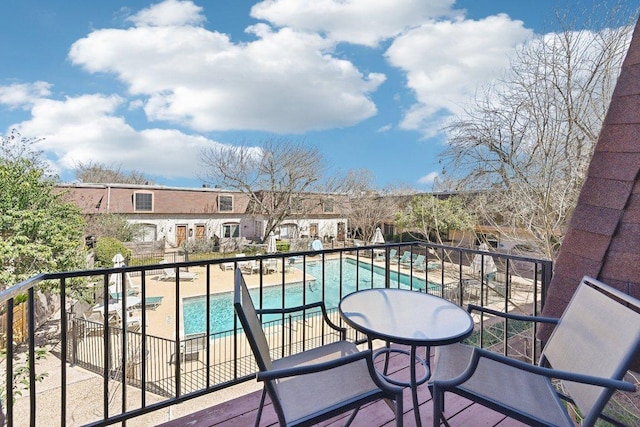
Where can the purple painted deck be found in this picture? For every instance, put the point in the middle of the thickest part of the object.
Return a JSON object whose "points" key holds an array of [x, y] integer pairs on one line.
{"points": [[242, 411]]}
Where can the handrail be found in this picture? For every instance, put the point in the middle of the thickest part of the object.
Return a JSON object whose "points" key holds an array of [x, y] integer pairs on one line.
{"points": [[108, 353]]}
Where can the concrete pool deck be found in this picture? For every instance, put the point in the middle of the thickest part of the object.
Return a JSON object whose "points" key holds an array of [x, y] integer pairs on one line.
{"points": [[160, 321]]}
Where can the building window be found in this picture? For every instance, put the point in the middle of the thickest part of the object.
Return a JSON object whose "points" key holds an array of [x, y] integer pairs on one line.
{"points": [[225, 203], [148, 233], [230, 230], [288, 231], [143, 202], [327, 206]]}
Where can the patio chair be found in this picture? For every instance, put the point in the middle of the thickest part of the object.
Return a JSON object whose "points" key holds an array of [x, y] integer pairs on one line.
{"points": [[170, 274], [190, 347], [420, 263], [590, 350], [270, 266], [152, 303], [404, 259], [393, 256], [250, 267], [316, 384]]}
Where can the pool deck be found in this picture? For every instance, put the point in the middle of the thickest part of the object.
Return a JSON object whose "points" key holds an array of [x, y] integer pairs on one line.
{"points": [[160, 320], [87, 387]]}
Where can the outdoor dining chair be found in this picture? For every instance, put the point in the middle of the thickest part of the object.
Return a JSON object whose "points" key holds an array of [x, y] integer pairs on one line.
{"points": [[317, 384], [590, 350]]}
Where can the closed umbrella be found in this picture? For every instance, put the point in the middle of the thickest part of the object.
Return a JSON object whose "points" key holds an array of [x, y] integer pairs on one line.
{"points": [[483, 263], [115, 280], [271, 244], [378, 239]]}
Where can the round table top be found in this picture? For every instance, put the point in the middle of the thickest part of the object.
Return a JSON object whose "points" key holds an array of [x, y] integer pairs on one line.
{"points": [[405, 317]]}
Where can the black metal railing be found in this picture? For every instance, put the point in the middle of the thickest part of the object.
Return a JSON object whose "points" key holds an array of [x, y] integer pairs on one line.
{"points": [[133, 367]]}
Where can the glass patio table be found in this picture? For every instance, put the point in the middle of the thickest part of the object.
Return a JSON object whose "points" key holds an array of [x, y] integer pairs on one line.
{"points": [[406, 317]]}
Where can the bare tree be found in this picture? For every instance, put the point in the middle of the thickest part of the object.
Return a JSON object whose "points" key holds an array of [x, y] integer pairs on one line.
{"points": [[524, 147], [275, 176], [99, 173], [366, 207]]}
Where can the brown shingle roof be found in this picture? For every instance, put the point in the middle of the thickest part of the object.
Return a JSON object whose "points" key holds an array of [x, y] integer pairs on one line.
{"points": [[603, 239]]}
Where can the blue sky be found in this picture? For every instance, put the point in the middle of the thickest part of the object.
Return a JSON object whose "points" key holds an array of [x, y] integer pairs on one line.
{"points": [[147, 85]]}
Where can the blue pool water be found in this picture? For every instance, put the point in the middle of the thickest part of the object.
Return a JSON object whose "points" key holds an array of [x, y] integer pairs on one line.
{"points": [[221, 312]]}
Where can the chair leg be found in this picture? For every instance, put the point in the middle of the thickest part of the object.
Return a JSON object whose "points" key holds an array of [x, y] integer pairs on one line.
{"points": [[264, 395], [438, 407], [352, 417], [399, 411]]}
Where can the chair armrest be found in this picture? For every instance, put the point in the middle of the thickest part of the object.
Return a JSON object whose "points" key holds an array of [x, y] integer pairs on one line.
{"points": [[319, 304], [524, 317], [313, 368], [479, 353]]}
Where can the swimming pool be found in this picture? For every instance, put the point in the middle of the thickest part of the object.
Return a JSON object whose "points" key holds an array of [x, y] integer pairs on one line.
{"points": [[221, 312]]}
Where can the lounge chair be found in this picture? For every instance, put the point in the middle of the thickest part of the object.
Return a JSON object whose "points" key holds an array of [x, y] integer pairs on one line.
{"points": [[250, 267], [592, 346], [433, 265], [226, 266], [381, 255], [317, 384], [170, 274], [270, 266], [419, 264], [406, 257], [149, 302], [153, 302]]}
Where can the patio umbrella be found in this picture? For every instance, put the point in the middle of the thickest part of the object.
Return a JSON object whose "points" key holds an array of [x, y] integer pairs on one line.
{"points": [[378, 239], [271, 244], [115, 281], [483, 263]]}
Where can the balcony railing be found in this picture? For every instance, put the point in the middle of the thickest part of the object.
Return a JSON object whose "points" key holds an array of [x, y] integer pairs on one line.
{"points": [[112, 356]]}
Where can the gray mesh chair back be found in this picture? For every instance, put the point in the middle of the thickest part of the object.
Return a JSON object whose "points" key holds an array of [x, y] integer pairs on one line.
{"points": [[316, 384], [593, 345], [598, 336], [251, 323]]}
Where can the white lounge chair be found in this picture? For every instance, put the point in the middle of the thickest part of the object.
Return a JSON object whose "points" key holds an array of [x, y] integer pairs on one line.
{"points": [[249, 267], [170, 274]]}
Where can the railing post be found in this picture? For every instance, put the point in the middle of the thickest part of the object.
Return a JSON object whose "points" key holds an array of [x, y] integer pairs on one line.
{"points": [[9, 361], [387, 268], [290, 336]]}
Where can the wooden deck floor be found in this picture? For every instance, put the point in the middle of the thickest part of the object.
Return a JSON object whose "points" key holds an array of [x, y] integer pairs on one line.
{"points": [[242, 411]]}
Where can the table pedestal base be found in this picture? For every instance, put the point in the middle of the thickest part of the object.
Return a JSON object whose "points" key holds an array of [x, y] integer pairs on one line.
{"points": [[413, 382]]}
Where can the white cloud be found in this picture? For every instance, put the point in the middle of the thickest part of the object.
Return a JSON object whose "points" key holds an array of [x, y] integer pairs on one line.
{"points": [[23, 95], [365, 22], [385, 128], [87, 128], [284, 81], [429, 178], [169, 12], [446, 62]]}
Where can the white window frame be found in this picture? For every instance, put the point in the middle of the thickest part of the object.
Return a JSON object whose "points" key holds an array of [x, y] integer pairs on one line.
{"points": [[230, 226], [328, 206], [136, 207], [220, 203]]}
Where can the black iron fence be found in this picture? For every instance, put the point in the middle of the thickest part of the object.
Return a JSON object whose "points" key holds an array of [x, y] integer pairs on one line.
{"points": [[137, 370]]}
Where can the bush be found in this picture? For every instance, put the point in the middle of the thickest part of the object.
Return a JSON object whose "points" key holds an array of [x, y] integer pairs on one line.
{"points": [[282, 246], [105, 250]]}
